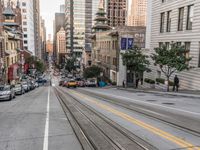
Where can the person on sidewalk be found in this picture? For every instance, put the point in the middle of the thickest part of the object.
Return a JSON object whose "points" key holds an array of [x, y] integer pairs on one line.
{"points": [[123, 83], [176, 83]]}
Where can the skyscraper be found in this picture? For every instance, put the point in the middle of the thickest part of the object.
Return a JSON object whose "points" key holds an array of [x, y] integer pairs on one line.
{"points": [[79, 17], [28, 25], [116, 12], [137, 13], [37, 38]]}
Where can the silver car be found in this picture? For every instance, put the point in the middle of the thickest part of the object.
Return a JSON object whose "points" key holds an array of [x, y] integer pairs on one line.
{"points": [[19, 90], [7, 92]]}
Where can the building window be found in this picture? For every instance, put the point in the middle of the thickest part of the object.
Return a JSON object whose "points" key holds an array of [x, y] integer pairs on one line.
{"points": [[24, 23], [187, 49], [25, 29], [190, 16], [168, 21], [160, 44], [23, 4], [25, 35], [25, 41], [162, 21], [167, 44], [24, 10], [180, 19]]}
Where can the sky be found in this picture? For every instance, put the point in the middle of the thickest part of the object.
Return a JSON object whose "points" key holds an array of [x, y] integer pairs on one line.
{"points": [[47, 11]]}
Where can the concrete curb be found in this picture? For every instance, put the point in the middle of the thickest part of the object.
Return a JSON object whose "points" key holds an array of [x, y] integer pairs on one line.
{"points": [[163, 93]]}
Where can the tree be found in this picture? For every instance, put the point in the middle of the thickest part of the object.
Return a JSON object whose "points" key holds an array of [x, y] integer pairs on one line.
{"points": [[171, 60], [39, 65], [136, 62], [92, 72], [70, 64]]}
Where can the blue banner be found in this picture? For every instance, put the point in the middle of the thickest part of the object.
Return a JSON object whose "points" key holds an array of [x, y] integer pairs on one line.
{"points": [[123, 43], [130, 43]]}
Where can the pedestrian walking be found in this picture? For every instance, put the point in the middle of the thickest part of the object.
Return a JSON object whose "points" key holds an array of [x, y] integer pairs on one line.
{"points": [[176, 83]]}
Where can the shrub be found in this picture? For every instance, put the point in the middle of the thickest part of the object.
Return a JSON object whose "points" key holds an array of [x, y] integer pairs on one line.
{"points": [[150, 81], [160, 80]]}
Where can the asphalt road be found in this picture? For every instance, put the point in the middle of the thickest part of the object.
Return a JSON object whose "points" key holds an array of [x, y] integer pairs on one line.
{"points": [[26, 123], [162, 135], [36, 121]]}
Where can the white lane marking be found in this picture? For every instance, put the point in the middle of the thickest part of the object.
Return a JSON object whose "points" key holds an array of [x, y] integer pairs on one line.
{"points": [[140, 101], [46, 134]]}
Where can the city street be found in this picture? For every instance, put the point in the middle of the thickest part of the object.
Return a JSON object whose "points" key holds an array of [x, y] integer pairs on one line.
{"points": [[36, 120]]}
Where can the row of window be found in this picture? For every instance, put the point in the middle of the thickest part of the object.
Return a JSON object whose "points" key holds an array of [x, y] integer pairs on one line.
{"points": [[189, 23], [106, 59]]}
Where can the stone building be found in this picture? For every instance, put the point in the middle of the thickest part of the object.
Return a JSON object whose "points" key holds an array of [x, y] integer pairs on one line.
{"points": [[107, 51], [12, 44], [176, 21]]}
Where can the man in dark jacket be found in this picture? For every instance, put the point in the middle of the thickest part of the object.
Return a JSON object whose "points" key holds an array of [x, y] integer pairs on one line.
{"points": [[176, 83]]}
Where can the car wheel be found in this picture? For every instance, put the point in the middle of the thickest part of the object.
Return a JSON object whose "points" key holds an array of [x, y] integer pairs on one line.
{"points": [[10, 97]]}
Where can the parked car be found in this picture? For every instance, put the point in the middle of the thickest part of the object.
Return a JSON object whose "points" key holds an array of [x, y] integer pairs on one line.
{"points": [[81, 83], [25, 86], [71, 83], [19, 90], [61, 82], [7, 92], [36, 85], [91, 83]]}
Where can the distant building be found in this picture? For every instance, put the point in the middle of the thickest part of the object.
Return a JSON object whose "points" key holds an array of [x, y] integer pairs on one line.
{"points": [[37, 38], [176, 21], [107, 51], [43, 38], [116, 12], [79, 17], [59, 22], [49, 45], [137, 11], [62, 8], [61, 46]]}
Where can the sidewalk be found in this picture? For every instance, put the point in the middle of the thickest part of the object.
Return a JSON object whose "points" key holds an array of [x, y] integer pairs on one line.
{"points": [[182, 93]]}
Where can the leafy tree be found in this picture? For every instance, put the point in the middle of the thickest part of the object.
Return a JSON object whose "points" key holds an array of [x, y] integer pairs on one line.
{"points": [[92, 72], [39, 65], [70, 64], [136, 62], [171, 60]]}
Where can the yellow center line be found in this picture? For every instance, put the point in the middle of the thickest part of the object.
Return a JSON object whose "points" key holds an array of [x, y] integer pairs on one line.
{"points": [[157, 131]]}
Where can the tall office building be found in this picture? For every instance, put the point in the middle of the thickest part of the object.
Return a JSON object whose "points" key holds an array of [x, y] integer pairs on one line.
{"points": [[59, 22], [43, 38], [37, 38], [116, 12], [62, 8], [137, 12], [28, 25], [79, 17]]}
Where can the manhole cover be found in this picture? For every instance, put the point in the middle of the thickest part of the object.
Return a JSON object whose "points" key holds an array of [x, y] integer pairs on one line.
{"points": [[151, 100], [168, 103], [141, 95]]}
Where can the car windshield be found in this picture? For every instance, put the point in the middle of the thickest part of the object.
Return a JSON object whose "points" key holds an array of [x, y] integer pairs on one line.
{"points": [[4, 88], [18, 85]]}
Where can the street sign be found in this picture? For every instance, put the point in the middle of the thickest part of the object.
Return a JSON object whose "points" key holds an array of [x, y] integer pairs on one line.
{"points": [[127, 43], [130, 43]]}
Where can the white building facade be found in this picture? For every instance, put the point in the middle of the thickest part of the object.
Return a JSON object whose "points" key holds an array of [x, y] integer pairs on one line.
{"points": [[177, 21], [28, 25]]}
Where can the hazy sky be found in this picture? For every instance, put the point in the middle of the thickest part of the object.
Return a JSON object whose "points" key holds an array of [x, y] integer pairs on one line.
{"points": [[47, 10]]}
